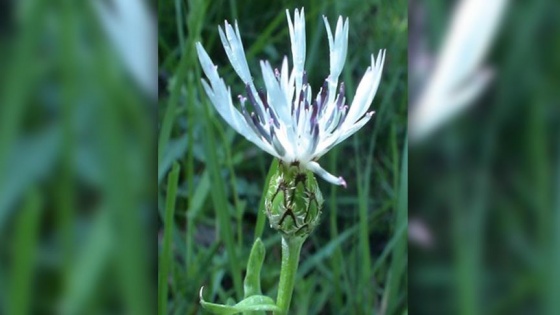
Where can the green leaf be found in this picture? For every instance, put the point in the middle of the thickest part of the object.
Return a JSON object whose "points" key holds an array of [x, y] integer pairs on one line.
{"points": [[252, 303], [175, 149], [261, 217], [29, 161], [25, 255], [199, 196], [252, 284], [92, 260]]}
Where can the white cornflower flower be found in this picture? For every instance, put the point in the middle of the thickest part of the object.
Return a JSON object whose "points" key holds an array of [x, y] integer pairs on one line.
{"points": [[287, 122]]}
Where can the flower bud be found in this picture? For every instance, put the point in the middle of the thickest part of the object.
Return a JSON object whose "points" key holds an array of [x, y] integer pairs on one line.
{"points": [[293, 200]]}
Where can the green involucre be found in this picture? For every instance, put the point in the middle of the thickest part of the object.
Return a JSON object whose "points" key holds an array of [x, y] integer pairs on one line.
{"points": [[293, 201]]}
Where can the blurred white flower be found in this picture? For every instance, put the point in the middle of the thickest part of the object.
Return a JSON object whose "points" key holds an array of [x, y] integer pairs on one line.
{"points": [[458, 76], [133, 32], [420, 233], [287, 122]]}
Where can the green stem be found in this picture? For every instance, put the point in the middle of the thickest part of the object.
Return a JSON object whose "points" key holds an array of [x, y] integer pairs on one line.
{"points": [[291, 248]]}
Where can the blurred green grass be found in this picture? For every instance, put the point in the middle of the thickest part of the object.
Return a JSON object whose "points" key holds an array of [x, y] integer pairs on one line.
{"points": [[356, 261], [76, 168], [486, 185]]}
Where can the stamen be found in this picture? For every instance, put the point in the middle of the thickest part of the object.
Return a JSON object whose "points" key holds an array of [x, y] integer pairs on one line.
{"points": [[260, 128], [260, 113], [322, 97], [253, 101], [298, 110], [259, 109], [314, 112], [264, 99], [343, 114], [314, 140], [248, 119], [301, 95], [297, 103], [334, 114], [340, 94], [273, 117]]}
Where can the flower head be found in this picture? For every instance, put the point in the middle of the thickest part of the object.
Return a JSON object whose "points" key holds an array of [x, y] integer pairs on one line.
{"points": [[286, 120]]}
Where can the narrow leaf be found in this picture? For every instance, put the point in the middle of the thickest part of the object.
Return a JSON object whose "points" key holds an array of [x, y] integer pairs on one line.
{"points": [[252, 303], [261, 217]]}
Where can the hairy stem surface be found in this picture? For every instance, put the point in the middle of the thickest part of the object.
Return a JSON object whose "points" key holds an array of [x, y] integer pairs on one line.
{"points": [[291, 248]]}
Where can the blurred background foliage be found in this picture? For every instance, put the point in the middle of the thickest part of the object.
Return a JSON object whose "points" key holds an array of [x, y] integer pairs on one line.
{"points": [[485, 189], [356, 260], [77, 143]]}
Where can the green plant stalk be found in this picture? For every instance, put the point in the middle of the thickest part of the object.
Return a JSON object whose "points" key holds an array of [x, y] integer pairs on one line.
{"points": [[291, 248], [180, 24]]}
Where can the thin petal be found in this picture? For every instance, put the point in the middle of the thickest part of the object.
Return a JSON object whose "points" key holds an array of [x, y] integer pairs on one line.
{"points": [[285, 80], [207, 65], [231, 40], [337, 53], [297, 37], [329, 33], [337, 46], [220, 96], [341, 135], [317, 169], [366, 90], [233, 46], [275, 93], [425, 119]]}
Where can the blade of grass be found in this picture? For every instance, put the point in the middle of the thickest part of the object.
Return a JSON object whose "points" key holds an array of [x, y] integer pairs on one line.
{"points": [[83, 277], [337, 259], [166, 259], [195, 18], [121, 196], [552, 302], [325, 251], [24, 253], [238, 206], [66, 193], [399, 259], [261, 217], [363, 183], [14, 93], [196, 201], [220, 203], [193, 26], [180, 24]]}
